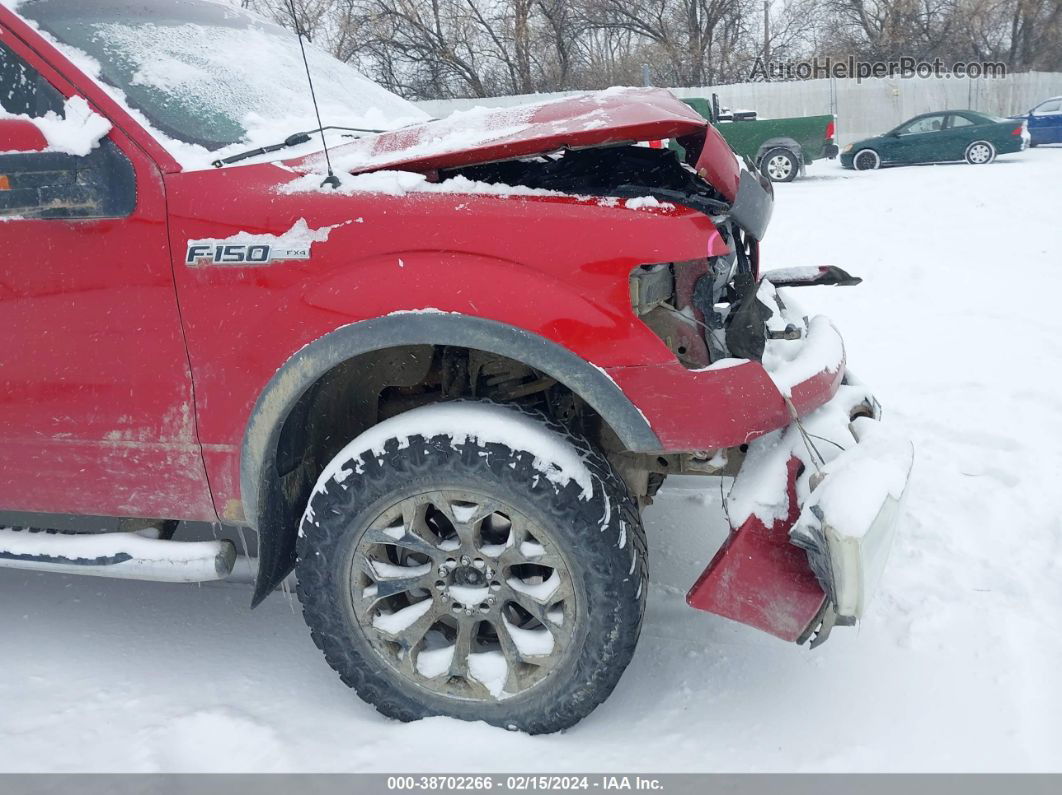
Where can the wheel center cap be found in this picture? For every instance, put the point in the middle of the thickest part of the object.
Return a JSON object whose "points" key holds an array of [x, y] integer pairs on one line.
{"points": [[468, 575]]}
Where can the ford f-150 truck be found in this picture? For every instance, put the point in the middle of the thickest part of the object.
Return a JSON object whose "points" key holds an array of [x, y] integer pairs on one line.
{"points": [[439, 367]]}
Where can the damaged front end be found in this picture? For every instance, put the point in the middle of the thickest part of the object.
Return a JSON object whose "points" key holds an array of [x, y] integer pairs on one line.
{"points": [[818, 480], [704, 309], [814, 507]]}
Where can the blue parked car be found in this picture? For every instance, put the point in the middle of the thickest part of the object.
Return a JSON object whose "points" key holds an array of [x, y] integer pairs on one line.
{"points": [[1044, 122]]}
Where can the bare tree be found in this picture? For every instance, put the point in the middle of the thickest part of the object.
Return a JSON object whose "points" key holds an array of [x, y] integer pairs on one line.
{"points": [[443, 48]]}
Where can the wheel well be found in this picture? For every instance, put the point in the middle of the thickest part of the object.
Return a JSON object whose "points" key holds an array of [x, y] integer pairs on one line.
{"points": [[780, 143], [372, 386]]}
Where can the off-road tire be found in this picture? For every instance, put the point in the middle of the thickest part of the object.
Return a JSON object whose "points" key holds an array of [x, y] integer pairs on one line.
{"points": [[780, 165], [602, 538]]}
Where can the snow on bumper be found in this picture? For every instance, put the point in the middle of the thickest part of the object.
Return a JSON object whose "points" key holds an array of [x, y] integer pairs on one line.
{"points": [[813, 511], [848, 522]]}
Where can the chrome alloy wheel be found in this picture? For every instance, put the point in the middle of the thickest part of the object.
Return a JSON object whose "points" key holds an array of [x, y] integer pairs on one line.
{"points": [[779, 168], [463, 595]]}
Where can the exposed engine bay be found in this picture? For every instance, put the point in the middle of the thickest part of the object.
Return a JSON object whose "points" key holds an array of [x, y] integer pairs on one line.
{"points": [[706, 309], [620, 171]]}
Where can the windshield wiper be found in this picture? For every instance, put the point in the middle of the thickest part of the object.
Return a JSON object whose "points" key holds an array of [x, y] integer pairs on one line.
{"points": [[292, 140]]}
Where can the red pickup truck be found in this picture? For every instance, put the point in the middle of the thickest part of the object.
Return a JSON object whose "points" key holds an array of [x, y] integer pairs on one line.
{"points": [[439, 367]]}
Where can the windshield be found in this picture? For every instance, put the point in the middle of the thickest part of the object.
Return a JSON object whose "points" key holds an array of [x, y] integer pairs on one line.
{"points": [[212, 75]]}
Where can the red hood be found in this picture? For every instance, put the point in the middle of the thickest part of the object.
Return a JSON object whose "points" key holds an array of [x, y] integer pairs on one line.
{"points": [[481, 135]]}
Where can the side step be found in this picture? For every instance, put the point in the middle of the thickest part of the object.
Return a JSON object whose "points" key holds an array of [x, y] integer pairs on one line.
{"points": [[128, 556]]}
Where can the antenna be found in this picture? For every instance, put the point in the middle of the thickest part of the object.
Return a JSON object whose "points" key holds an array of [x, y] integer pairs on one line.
{"points": [[331, 180]]}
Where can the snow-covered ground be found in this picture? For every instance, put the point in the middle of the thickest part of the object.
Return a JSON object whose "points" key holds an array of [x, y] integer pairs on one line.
{"points": [[956, 667]]}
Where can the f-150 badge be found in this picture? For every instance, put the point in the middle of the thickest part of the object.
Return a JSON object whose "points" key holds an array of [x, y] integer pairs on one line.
{"points": [[241, 254], [248, 250]]}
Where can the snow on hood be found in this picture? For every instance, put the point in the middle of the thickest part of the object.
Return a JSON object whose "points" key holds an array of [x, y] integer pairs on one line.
{"points": [[613, 116]]}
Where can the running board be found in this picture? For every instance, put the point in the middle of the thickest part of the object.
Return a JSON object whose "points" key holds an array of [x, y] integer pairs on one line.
{"points": [[127, 556]]}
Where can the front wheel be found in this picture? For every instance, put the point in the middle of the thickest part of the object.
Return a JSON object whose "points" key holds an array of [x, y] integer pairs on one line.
{"points": [[980, 152], [866, 160], [780, 165], [477, 561]]}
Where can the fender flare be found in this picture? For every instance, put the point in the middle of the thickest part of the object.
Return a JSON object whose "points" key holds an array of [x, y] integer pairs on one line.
{"points": [[782, 142], [306, 366]]}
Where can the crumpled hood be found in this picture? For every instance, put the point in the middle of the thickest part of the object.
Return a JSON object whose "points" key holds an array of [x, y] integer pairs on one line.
{"points": [[482, 135]]}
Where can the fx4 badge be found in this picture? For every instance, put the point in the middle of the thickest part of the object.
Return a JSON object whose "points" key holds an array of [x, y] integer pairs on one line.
{"points": [[201, 253]]}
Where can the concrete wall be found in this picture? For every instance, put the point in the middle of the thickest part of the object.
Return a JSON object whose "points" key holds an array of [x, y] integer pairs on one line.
{"points": [[863, 109]]}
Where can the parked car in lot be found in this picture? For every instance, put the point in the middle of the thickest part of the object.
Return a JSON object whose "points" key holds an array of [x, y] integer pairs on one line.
{"points": [[780, 148], [1044, 122], [939, 137], [440, 380]]}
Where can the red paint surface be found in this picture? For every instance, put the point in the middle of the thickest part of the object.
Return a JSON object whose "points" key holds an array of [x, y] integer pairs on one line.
{"points": [[21, 135], [632, 116], [718, 164], [96, 413], [760, 579], [105, 329]]}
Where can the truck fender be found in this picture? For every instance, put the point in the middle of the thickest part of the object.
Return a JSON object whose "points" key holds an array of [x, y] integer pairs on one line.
{"points": [[264, 508], [784, 142]]}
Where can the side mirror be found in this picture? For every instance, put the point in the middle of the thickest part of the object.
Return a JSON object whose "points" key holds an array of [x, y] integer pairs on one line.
{"points": [[36, 184], [21, 135]]}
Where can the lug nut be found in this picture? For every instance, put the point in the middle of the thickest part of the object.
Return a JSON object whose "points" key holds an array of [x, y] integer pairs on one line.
{"points": [[490, 600], [465, 560]]}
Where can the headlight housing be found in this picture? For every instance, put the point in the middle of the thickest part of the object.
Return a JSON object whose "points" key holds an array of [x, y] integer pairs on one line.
{"points": [[847, 149]]}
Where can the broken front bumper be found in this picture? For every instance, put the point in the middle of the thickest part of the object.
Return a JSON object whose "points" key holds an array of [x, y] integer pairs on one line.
{"points": [[814, 510]]}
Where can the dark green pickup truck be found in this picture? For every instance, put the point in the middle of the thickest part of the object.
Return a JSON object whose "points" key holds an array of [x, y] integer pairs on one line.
{"points": [[780, 147]]}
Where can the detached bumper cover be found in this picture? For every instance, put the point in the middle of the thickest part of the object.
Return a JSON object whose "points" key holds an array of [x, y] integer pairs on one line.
{"points": [[848, 522], [813, 516]]}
